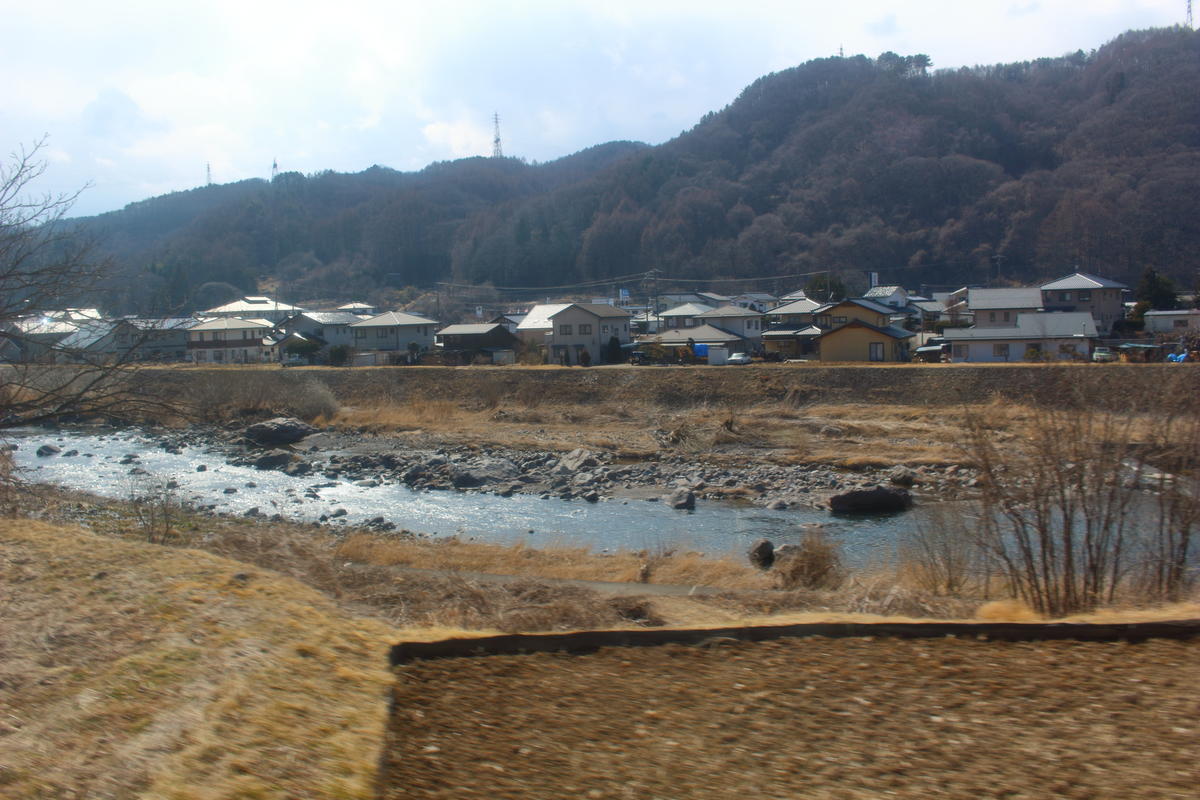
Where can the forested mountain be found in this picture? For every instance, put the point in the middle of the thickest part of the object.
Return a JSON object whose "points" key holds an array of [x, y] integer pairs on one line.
{"points": [[1012, 172]]}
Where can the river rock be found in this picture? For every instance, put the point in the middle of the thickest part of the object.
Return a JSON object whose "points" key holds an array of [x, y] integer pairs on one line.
{"points": [[280, 430], [491, 470], [576, 460], [680, 498], [296, 468], [880, 499], [201, 468], [48, 450], [762, 554], [275, 459], [902, 476]]}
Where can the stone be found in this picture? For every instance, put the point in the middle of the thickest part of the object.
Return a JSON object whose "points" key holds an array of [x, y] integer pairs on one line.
{"points": [[229, 490], [878, 500], [778, 504], [277, 431], [576, 460], [338, 512], [296, 468], [762, 554], [902, 476], [138, 471], [48, 450], [275, 459], [680, 498], [201, 468]]}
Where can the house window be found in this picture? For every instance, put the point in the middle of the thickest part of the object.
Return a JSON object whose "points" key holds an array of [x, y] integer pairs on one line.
{"points": [[360, 333], [1064, 297], [839, 320], [1179, 323], [564, 330], [960, 351], [1007, 317], [585, 329], [991, 316], [876, 351], [381, 333], [604, 329], [1000, 352], [1085, 297]]}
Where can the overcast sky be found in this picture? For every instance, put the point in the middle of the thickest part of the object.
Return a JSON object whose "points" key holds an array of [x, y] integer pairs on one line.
{"points": [[138, 97]]}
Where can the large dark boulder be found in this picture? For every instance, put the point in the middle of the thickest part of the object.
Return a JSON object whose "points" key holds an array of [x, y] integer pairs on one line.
{"points": [[762, 554], [879, 500], [275, 459], [48, 450], [281, 430]]}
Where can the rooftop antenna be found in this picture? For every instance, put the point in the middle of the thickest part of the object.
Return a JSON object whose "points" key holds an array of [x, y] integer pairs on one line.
{"points": [[497, 152], [274, 169], [208, 172]]}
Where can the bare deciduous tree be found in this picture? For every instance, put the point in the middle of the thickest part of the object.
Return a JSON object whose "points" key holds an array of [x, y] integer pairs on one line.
{"points": [[47, 266]]}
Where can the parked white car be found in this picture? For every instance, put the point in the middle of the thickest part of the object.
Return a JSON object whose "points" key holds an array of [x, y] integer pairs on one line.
{"points": [[738, 358]]}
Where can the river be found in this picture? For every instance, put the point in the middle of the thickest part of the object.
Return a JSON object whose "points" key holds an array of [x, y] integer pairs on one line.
{"points": [[719, 528]]}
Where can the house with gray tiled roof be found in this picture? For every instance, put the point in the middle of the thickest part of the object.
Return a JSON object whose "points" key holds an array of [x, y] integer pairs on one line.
{"points": [[1081, 291]]}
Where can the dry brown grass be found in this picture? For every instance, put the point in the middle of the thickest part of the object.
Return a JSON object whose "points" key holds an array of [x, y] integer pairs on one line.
{"points": [[571, 563], [170, 673]]}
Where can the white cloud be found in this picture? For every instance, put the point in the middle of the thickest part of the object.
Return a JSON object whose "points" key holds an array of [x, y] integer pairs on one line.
{"points": [[460, 139]]}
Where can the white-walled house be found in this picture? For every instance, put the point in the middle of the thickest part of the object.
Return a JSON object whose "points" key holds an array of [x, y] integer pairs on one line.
{"points": [[229, 340], [1040, 336], [590, 327], [1184, 319], [739, 321], [684, 315], [999, 308], [394, 331], [327, 328]]}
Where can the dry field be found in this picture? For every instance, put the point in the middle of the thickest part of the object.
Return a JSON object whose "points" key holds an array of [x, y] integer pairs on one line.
{"points": [[813, 718]]}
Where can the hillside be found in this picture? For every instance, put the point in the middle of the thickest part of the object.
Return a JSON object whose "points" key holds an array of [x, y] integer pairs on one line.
{"points": [[1011, 172]]}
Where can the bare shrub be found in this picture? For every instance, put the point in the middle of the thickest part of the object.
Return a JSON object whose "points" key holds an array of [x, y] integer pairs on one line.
{"points": [[940, 555], [815, 564], [8, 487], [313, 400], [155, 509], [1065, 517]]}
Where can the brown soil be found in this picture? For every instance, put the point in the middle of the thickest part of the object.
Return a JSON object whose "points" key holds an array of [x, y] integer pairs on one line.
{"points": [[820, 718]]}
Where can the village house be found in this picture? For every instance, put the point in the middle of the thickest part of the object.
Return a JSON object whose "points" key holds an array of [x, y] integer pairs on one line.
{"points": [[315, 332], [702, 334], [394, 332], [586, 327], [1080, 291], [1037, 336], [683, 316], [254, 307], [891, 296], [229, 340], [860, 330], [792, 330], [741, 322], [999, 308], [756, 301], [470, 343]]}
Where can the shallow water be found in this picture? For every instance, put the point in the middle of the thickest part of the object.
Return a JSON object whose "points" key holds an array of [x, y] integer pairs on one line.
{"points": [[717, 528]]}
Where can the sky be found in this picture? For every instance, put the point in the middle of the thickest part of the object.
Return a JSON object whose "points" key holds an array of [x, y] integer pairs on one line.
{"points": [[135, 99]]}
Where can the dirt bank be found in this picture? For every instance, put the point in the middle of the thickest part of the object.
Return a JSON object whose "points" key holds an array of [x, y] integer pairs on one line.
{"points": [[853, 718], [932, 385]]}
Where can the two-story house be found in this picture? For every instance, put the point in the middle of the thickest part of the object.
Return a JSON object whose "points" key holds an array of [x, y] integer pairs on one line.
{"points": [[394, 331], [860, 330], [229, 340], [742, 322], [683, 316], [586, 327], [999, 308], [1080, 291], [325, 329]]}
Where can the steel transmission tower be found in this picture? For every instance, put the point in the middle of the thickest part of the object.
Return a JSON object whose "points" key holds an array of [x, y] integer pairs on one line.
{"points": [[1189, 14], [497, 152]]}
